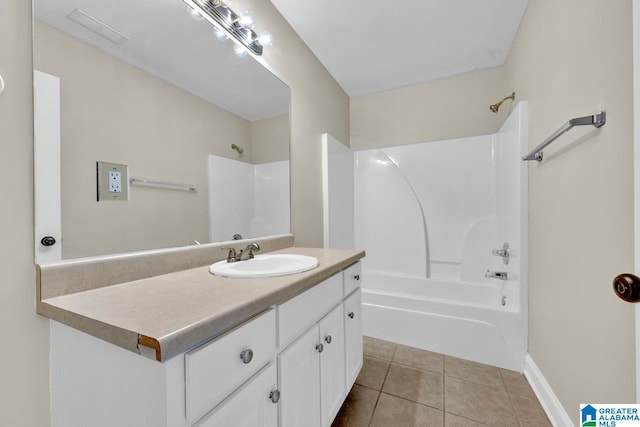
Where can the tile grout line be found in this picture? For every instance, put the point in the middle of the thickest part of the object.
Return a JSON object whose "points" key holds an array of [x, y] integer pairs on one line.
{"points": [[381, 387], [513, 408]]}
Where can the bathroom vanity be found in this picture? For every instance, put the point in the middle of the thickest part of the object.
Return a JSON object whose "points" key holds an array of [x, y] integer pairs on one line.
{"points": [[188, 348]]}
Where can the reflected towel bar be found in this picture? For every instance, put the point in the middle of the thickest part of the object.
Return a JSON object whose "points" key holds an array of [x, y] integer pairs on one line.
{"points": [[162, 184], [597, 120]]}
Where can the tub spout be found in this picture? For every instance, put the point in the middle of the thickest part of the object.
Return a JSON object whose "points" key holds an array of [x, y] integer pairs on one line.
{"points": [[502, 275]]}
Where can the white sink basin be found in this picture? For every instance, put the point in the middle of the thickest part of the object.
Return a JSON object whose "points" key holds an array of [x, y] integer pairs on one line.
{"points": [[265, 266]]}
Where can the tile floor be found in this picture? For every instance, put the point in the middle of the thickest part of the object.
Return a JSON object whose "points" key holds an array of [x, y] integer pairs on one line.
{"points": [[402, 386]]}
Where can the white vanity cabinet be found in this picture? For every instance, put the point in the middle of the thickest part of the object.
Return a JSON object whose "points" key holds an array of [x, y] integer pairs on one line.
{"points": [[318, 369], [289, 366]]}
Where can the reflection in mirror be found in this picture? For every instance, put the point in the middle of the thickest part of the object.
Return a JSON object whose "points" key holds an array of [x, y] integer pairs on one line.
{"points": [[153, 90]]}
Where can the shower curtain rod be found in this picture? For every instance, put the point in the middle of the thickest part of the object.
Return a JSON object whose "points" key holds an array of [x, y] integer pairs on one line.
{"points": [[597, 120]]}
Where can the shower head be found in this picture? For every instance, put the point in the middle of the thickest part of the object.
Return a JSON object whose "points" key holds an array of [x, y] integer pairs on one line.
{"points": [[495, 107], [240, 150]]}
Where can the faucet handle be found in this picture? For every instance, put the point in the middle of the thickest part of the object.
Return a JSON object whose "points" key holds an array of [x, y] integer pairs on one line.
{"points": [[232, 256], [505, 253]]}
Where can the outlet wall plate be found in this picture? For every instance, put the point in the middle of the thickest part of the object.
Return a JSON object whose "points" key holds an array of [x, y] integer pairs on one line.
{"points": [[112, 181]]}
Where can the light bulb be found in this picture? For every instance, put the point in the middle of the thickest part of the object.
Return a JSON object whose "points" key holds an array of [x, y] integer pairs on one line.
{"points": [[194, 14], [246, 20], [240, 50], [220, 34], [265, 39]]}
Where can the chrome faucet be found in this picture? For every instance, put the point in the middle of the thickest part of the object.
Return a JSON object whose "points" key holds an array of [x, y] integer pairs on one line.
{"points": [[247, 253], [502, 275]]}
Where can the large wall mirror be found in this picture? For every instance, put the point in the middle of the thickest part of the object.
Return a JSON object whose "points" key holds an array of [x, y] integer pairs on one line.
{"points": [[142, 84]]}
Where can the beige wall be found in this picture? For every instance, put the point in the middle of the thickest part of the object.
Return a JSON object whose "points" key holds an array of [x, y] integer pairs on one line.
{"points": [[318, 105], [573, 58], [443, 109], [24, 359], [270, 139]]}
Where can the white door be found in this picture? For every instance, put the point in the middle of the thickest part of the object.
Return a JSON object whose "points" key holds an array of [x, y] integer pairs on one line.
{"points": [[253, 405], [299, 375], [46, 167], [332, 370]]}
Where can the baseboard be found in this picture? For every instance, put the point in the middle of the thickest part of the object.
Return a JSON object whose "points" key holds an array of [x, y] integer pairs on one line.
{"points": [[550, 403]]}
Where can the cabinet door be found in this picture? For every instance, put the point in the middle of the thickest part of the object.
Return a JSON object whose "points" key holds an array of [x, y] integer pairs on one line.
{"points": [[353, 337], [299, 380], [251, 406], [332, 368]]}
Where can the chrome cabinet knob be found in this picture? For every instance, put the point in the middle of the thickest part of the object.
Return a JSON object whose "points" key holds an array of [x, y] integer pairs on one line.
{"points": [[274, 396], [351, 314], [320, 348], [246, 356], [356, 276], [328, 339]]}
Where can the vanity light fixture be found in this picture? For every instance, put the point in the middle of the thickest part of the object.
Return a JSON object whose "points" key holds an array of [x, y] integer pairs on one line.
{"points": [[238, 27]]}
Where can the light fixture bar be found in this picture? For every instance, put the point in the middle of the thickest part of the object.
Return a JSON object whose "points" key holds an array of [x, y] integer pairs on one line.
{"points": [[227, 20]]}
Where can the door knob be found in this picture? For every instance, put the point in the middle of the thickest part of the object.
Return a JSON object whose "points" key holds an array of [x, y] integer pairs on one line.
{"points": [[48, 241], [627, 287]]}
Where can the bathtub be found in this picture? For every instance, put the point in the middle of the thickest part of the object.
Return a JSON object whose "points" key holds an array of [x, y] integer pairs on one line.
{"points": [[476, 321]]}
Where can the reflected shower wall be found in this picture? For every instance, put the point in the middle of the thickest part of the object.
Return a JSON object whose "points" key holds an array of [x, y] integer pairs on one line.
{"points": [[247, 199]]}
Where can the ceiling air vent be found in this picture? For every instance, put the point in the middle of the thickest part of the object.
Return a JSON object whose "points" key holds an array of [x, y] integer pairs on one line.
{"points": [[81, 17]]}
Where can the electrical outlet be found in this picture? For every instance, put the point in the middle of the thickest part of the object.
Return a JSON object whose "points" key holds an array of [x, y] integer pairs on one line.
{"points": [[115, 182]]}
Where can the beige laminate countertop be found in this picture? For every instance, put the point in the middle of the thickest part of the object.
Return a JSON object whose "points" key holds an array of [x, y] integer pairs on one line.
{"points": [[174, 312]]}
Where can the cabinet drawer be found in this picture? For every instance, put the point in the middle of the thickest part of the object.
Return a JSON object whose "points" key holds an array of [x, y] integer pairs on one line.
{"points": [[303, 311], [352, 277], [215, 369]]}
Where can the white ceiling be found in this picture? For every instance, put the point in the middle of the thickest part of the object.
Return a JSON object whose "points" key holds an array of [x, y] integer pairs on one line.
{"points": [[376, 45], [166, 42]]}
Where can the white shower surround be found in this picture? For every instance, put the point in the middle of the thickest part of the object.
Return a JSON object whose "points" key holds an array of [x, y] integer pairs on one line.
{"points": [[247, 199], [428, 216]]}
